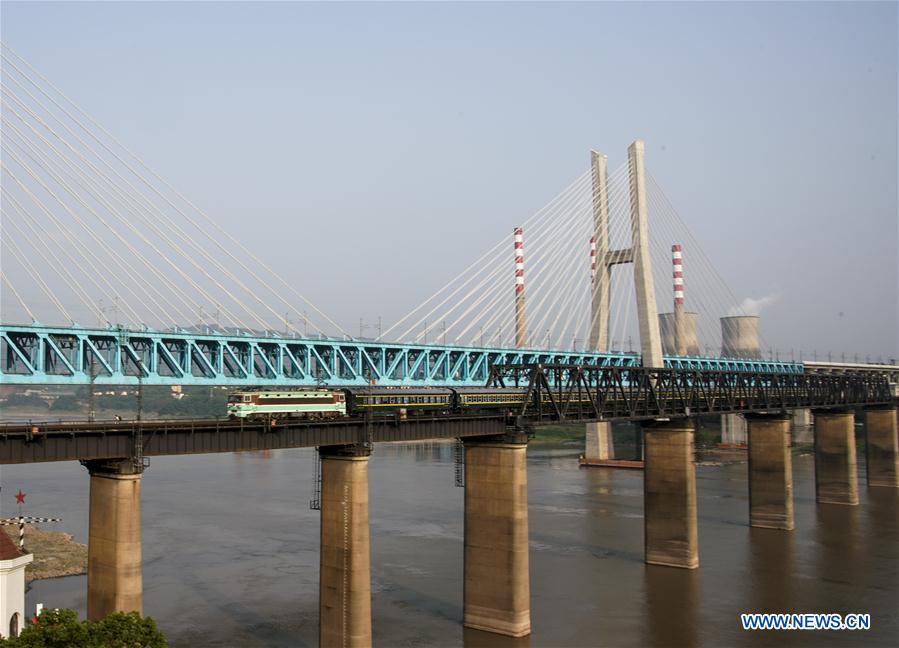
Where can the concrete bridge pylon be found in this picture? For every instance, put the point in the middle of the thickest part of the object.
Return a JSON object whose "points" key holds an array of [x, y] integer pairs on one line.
{"points": [[599, 446]]}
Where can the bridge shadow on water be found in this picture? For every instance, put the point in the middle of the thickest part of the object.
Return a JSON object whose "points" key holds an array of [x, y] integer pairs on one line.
{"points": [[249, 626]]}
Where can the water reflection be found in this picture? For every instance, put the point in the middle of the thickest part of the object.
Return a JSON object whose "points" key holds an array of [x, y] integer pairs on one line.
{"points": [[438, 451], [231, 553], [770, 566], [880, 549], [478, 639], [672, 598]]}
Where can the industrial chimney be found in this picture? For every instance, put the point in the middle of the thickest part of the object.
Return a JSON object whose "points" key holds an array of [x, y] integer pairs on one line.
{"points": [[520, 326], [678, 329]]}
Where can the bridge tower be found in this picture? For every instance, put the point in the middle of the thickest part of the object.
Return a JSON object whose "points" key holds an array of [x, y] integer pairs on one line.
{"points": [[602, 258], [601, 273], [647, 313]]}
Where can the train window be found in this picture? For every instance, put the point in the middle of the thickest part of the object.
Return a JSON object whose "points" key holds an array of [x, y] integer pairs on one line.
{"points": [[247, 399]]}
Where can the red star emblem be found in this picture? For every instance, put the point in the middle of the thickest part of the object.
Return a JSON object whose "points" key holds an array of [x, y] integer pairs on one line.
{"points": [[20, 497]]}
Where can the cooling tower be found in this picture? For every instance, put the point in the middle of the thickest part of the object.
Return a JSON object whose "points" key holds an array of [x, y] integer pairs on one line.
{"points": [[667, 331], [740, 337]]}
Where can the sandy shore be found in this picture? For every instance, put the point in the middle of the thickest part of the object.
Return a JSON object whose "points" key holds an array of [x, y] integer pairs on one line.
{"points": [[56, 553]]}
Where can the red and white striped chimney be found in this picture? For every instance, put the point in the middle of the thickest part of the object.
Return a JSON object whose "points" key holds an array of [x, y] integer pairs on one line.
{"points": [[519, 260], [677, 261], [520, 330], [592, 259]]}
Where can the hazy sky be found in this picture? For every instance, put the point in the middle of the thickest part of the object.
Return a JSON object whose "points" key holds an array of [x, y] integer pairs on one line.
{"points": [[370, 151]]}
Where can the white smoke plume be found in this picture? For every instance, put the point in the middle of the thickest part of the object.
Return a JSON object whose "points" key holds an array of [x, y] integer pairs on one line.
{"points": [[750, 306]]}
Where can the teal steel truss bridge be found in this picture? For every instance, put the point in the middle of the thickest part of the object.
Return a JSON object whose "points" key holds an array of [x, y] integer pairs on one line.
{"points": [[77, 356]]}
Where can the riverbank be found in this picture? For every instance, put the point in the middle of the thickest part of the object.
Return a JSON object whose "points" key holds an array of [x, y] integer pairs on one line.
{"points": [[56, 553]]}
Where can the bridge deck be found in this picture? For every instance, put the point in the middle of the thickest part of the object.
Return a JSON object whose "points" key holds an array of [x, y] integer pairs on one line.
{"points": [[68, 441], [546, 392]]}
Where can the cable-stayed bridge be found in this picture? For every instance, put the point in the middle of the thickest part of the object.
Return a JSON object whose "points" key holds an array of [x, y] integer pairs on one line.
{"points": [[110, 275]]}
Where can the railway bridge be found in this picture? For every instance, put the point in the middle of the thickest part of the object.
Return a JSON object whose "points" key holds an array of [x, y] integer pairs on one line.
{"points": [[113, 277], [496, 574]]}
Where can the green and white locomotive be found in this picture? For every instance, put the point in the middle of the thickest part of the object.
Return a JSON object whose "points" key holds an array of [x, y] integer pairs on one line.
{"points": [[306, 403]]}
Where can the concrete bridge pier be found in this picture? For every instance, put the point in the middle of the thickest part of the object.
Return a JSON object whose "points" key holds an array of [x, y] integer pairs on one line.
{"points": [[882, 447], [344, 555], [770, 471], [598, 446], [802, 425], [669, 495], [114, 576], [497, 580], [733, 430], [836, 478]]}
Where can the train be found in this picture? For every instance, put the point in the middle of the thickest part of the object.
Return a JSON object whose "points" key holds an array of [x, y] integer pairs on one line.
{"points": [[354, 401]]}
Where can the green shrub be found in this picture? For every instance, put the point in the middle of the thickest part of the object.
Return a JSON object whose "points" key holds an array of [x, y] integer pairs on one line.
{"points": [[62, 629]]}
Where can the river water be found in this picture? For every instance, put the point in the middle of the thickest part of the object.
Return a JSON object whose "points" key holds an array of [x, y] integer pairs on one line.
{"points": [[231, 553]]}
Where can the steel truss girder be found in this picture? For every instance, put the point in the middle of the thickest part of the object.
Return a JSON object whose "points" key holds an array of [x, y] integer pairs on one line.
{"points": [[572, 392], [35, 354]]}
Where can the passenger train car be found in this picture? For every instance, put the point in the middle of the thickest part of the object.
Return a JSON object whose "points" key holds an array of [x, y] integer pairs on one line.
{"points": [[317, 403]]}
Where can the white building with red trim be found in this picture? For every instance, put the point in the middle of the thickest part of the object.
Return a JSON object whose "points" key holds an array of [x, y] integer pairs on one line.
{"points": [[12, 586]]}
